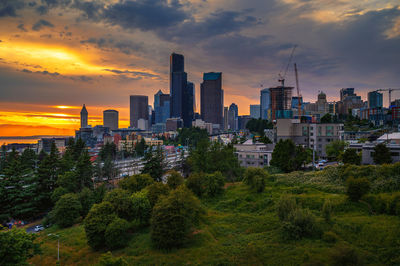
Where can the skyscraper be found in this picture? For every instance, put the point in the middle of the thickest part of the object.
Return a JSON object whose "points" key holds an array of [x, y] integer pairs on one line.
{"points": [[233, 117], [226, 116], [255, 111], [138, 109], [375, 99], [281, 101], [84, 117], [212, 97], [265, 103], [110, 119], [181, 103], [161, 107]]}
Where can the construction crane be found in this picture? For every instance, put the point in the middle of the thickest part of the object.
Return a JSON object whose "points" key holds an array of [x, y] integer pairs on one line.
{"points": [[282, 77], [298, 90], [390, 93]]}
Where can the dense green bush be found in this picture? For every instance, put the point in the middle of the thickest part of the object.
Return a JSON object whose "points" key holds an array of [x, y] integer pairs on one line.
{"points": [[343, 255], [256, 178], [107, 259], [384, 203], [67, 210], [330, 237], [174, 217], [120, 199], [96, 222], [116, 234], [357, 187], [174, 179], [136, 182], [155, 191], [327, 210], [213, 184], [141, 207], [286, 205], [195, 183], [300, 223]]}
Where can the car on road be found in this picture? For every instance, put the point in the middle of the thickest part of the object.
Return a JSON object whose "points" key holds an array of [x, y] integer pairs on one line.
{"points": [[39, 228]]}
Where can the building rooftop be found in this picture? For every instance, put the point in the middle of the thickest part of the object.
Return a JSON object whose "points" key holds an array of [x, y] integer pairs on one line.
{"points": [[212, 76]]}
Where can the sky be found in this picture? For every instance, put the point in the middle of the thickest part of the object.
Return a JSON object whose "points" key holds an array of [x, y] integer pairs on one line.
{"points": [[56, 55]]}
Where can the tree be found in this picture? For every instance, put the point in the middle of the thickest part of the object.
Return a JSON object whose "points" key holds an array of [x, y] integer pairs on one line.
{"points": [[121, 201], [191, 136], [195, 183], [155, 191], [84, 171], [86, 198], [357, 187], [116, 235], [213, 184], [67, 210], [174, 179], [381, 154], [96, 222], [335, 149], [154, 164], [174, 217], [136, 182], [16, 246], [69, 181], [326, 119], [289, 157], [350, 156], [140, 147], [255, 178], [141, 208]]}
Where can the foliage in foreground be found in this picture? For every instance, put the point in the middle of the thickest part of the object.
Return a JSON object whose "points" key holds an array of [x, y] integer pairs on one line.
{"points": [[256, 178]]}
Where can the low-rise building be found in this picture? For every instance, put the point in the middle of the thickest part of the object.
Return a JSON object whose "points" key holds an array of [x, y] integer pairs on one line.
{"points": [[367, 150], [254, 155]]}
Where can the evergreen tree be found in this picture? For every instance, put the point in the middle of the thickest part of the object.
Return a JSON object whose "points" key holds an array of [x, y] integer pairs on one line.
{"points": [[78, 149], [84, 171], [350, 156], [154, 164], [3, 160], [289, 157], [67, 162], [382, 154], [140, 147]]}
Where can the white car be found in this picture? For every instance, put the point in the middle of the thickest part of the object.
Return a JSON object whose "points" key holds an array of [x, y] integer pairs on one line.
{"points": [[39, 228]]}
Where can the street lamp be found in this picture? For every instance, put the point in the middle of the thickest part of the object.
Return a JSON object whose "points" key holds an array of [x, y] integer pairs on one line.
{"points": [[58, 245]]}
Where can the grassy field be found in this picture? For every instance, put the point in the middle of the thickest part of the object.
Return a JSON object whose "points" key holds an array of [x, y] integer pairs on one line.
{"points": [[242, 228]]}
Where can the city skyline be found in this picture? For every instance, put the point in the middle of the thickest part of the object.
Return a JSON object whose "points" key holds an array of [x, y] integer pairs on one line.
{"points": [[88, 63]]}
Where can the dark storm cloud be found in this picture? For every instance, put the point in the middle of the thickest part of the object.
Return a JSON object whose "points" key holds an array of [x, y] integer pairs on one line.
{"points": [[8, 8], [124, 46], [44, 72], [22, 27], [40, 24]]}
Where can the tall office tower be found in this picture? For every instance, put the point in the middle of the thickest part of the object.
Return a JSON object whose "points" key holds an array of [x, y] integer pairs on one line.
{"points": [[226, 116], [255, 111], [110, 119], [181, 104], [84, 117], [375, 99], [138, 109], [322, 103], [233, 120], [281, 101], [346, 92], [211, 98], [265, 103], [161, 107]]}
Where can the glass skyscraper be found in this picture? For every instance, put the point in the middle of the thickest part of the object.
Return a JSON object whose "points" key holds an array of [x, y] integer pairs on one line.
{"points": [[265, 103]]}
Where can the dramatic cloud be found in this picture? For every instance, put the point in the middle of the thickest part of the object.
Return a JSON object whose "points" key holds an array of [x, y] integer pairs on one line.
{"points": [[40, 24]]}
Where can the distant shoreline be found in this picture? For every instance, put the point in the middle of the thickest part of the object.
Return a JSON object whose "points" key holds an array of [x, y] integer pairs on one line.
{"points": [[34, 137]]}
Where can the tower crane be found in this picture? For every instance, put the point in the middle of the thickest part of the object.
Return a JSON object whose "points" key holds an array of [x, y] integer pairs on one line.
{"points": [[390, 93], [282, 77], [298, 90]]}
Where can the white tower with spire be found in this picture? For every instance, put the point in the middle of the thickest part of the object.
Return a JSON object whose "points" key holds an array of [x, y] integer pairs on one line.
{"points": [[84, 117]]}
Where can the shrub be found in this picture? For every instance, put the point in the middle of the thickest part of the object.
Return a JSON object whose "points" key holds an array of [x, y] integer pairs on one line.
{"points": [[141, 208], [120, 199], [155, 191], [136, 182], [300, 223], [286, 205], [67, 210], [357, 187], [343, 255], [213, 184], [327, 210], [96, 222], [330, 237], [255, 178], [174, 179], [116, 235], [174, 217], [107, 259], [195, 183]]}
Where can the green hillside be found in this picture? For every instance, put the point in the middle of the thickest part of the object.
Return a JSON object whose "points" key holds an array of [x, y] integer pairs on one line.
{"points": [[242, 227]]}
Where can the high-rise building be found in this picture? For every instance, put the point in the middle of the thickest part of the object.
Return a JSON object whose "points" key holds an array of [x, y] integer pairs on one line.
{"points": [[110, 119], [161, 107], [226, 116], [375, 99], [281, 100], [346, 92], [233, 117], [84, 117], [265, 103], [255, 111], [138, 109], [212, 97], [181, 103], [348, 101]]}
